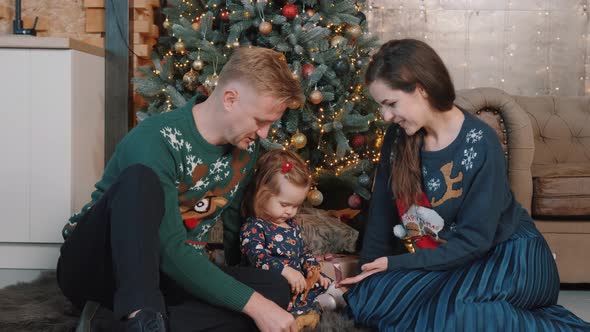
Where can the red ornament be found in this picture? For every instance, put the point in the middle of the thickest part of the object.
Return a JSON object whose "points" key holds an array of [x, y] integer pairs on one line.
{"points": [[358, 141], [224, 15], [307, 69], [289, 11], [354, 201]]}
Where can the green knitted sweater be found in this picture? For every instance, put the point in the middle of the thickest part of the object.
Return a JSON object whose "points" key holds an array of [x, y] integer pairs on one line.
{"points": [[201, 183]]}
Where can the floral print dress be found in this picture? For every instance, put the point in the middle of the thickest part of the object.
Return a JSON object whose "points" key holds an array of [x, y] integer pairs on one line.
{"points": [[268, 246]]}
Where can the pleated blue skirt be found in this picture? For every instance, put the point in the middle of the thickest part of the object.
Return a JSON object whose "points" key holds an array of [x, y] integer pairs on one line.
{"points": [[513, 288]]}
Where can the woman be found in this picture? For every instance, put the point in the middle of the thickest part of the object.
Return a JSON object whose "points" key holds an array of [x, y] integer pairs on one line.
{"points": [[484, 265]]}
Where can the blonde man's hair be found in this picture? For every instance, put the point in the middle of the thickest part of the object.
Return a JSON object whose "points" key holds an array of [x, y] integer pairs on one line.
{"points": [[265, 70]]}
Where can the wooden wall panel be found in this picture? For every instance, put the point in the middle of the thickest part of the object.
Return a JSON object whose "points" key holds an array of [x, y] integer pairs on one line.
{"points": [[57, 18]]}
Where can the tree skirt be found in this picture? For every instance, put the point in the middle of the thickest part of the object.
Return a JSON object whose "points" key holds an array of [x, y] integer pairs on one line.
{"points": [[40, 306]]}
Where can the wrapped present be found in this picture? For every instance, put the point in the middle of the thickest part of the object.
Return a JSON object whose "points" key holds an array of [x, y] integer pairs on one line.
{"points": [[338, 266]]}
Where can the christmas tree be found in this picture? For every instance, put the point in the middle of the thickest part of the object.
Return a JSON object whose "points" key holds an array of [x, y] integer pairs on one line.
{"points": [[337, 130]]}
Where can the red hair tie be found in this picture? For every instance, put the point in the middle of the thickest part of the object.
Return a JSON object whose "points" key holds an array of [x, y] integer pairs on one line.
{"points": [[286, 167]]}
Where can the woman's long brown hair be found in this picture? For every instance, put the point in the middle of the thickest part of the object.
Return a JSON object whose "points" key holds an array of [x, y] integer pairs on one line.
{"points": [[404, 65]]}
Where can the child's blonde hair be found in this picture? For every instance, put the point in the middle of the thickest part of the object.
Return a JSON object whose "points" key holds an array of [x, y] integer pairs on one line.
{"points": [[266, 184], [265, 70]]}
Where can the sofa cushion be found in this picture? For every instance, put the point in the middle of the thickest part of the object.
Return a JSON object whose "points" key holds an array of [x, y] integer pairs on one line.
{"points": [[561, 190]]}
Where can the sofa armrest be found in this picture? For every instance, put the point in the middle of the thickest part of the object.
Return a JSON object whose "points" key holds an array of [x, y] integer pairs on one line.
{"points": [[518, 130]]}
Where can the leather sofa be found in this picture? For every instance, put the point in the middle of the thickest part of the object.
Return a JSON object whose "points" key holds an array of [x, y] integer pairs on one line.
{"points": [[547, 143]]}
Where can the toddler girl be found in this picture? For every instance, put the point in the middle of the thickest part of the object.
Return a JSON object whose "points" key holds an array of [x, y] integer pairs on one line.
{"points": [[271, 238]]}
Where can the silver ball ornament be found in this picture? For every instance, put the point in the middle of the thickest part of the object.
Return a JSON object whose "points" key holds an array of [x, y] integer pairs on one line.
{"points": [[211, 82], [316, 97], [364, 180], [359, 63], [198, 64], [179, 46]]}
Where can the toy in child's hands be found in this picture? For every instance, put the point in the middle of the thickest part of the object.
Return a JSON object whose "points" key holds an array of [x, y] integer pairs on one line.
{"points": [[420, 226], [313, 276], [311, 319]]}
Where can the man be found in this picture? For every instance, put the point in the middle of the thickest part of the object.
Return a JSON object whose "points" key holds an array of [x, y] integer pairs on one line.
{"points": [[139, 246]]}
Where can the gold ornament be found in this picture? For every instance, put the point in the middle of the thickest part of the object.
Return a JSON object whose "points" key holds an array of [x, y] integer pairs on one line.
{"points": [[166, 24], [265, 28], [310, 12], [337, 41], [247, 14], [198, 64], [179, 47], [190, 79], [294, 104], [353, 30], [211, 82], [295, 75], [316, 97], [315, 197], [196, 25], [299, 140]]}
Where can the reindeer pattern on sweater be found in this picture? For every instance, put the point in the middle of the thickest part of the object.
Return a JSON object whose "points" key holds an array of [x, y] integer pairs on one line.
{"points": [[465, 183]]}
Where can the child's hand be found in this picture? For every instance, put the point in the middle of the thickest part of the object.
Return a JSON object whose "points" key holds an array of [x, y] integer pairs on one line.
{"points": [[295, 279], [325, 282]]}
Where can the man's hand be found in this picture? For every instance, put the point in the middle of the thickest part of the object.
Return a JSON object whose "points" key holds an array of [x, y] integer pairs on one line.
{"points": [[378, 265], [295, 279], [268, 316]]}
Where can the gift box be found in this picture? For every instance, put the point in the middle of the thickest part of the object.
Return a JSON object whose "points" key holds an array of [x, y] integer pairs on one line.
{"points": [[338, 266]]}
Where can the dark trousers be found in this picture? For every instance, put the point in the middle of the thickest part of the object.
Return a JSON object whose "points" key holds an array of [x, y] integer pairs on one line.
{"points": [[112, 257]]}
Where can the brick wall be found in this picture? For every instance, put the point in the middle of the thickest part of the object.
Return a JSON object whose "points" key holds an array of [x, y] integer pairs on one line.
{"points": [[529, 47]]}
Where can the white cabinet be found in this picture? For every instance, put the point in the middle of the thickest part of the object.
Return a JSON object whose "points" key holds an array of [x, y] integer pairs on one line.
{"points": [[51, 143]]}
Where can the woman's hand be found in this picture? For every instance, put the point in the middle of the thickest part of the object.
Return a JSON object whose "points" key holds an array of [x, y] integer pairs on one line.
{"points": [[295, 279], [378, 265]]}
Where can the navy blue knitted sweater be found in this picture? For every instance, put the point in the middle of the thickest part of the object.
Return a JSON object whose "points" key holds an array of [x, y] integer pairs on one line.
{"points": [[466, 184]]}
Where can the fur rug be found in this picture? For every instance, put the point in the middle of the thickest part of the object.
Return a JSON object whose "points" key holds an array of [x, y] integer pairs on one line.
{"points": [[36, 306], [40, 306]]}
